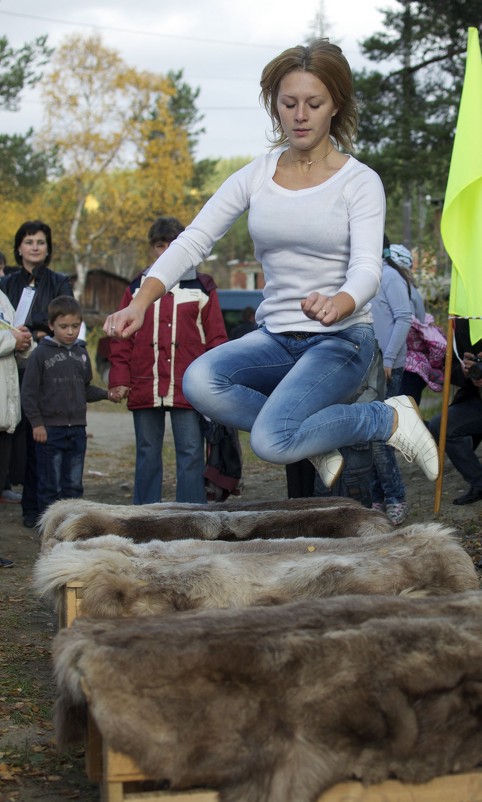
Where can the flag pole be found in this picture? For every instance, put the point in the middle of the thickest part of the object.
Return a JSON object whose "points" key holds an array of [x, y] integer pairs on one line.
{"points": [[445, 411]]}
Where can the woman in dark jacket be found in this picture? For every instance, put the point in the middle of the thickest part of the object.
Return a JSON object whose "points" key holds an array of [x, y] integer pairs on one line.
{"points": [[33, 253], [464, 419]]}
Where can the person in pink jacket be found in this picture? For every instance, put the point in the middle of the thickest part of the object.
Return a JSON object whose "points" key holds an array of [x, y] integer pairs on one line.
{"points": [[148, 370]]}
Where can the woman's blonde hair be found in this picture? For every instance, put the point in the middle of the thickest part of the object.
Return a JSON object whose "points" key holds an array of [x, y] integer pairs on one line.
{"points": [[327, 62]]}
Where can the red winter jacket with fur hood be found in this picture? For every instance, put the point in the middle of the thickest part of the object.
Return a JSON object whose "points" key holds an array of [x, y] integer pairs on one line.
{"points": [[177, 329]]}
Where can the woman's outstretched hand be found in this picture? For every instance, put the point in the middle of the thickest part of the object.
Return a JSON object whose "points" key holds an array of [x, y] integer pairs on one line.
{"points": [[125, 323]]}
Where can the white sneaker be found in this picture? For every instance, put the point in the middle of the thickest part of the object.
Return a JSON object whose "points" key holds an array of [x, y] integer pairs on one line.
{"points": [[412, 438], [329, 466]]}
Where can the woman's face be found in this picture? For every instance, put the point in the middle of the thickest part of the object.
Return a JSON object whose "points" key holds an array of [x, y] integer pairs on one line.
{"points": [[305, 108], [33, 250]]}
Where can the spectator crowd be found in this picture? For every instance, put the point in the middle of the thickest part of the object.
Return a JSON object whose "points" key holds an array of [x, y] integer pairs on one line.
{"points": [[46, 383]]}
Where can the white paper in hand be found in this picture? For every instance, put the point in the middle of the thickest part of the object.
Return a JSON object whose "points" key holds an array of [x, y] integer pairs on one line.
{"points": [[24, 305]]}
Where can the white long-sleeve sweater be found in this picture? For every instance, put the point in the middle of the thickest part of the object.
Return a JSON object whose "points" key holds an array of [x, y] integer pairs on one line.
{"points": [[327, 238]]}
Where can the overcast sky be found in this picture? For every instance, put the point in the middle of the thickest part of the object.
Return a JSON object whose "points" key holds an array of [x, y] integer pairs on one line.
{"points": [[221, 45]]}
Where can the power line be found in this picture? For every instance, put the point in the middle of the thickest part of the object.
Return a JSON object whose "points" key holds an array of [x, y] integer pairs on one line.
{"points": [[134, 31], [32, 102]]}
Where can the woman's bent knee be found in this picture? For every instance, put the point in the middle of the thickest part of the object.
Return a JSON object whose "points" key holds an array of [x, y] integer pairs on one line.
{"points": [[194, 381], [265, 447]]}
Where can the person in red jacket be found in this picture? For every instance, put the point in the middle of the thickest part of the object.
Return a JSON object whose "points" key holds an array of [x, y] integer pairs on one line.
{"points": [[148, 370]]}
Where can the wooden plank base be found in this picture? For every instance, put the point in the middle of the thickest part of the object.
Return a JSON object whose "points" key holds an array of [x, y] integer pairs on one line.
{"points": [[70, 603], [451, 788], [120, 772], [120, 779]]}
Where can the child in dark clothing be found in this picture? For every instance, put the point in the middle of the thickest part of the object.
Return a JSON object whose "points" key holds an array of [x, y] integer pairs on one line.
{"points": [[55, 390]]}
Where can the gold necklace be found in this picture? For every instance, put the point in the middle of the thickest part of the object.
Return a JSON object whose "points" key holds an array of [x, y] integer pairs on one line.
{"points": [[313, 161]]}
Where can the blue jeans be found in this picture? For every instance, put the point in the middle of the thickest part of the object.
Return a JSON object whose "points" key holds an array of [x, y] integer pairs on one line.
{"points": [[60, 464], [387, 482], [290, 393], [149, 427]]}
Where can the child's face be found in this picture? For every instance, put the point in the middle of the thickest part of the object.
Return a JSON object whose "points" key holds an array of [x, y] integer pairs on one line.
{"points": [[66, 328]]}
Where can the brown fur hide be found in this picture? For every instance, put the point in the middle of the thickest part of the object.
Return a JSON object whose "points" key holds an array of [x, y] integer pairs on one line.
{"points": [[121, 578], [277, 704], [320, 517]]}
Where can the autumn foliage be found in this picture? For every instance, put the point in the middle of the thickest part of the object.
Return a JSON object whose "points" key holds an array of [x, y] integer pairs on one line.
{"points": [[122, 159]]}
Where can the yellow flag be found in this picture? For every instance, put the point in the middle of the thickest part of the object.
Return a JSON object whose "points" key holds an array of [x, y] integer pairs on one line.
{"points": [[461, 225]]}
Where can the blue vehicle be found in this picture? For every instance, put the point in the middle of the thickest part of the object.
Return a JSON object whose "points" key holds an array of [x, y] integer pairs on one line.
{"points": [[234, 302]]}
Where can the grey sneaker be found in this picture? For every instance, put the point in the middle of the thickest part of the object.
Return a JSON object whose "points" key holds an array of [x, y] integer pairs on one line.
{"points": [[412, 438], [10, 497], [329, 466], [398, 513]]}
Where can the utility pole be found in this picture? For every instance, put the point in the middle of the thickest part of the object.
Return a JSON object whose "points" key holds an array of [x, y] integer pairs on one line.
{"points": [[407, 100], [319, 24], [321, 19]]}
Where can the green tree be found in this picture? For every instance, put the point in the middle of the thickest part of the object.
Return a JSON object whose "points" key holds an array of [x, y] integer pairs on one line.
{"points": [[182, 106], [19, 69], [22, 167], [408, 112]]}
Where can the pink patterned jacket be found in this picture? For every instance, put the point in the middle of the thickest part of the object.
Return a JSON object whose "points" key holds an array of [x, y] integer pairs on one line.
{"points": [[426, 346]]}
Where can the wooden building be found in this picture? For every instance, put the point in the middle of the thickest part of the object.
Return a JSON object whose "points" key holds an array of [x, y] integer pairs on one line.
{"points": [[102, 295]]}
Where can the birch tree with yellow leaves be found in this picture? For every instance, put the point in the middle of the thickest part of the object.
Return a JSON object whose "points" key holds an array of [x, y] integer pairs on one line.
{"points": [[124, 158]]}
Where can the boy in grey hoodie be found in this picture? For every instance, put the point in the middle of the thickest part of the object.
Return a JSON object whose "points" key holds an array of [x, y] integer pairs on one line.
{"points": [[55, 390]]}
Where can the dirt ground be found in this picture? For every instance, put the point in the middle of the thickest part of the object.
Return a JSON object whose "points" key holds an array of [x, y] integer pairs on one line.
{"points": [[31, 769]]}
